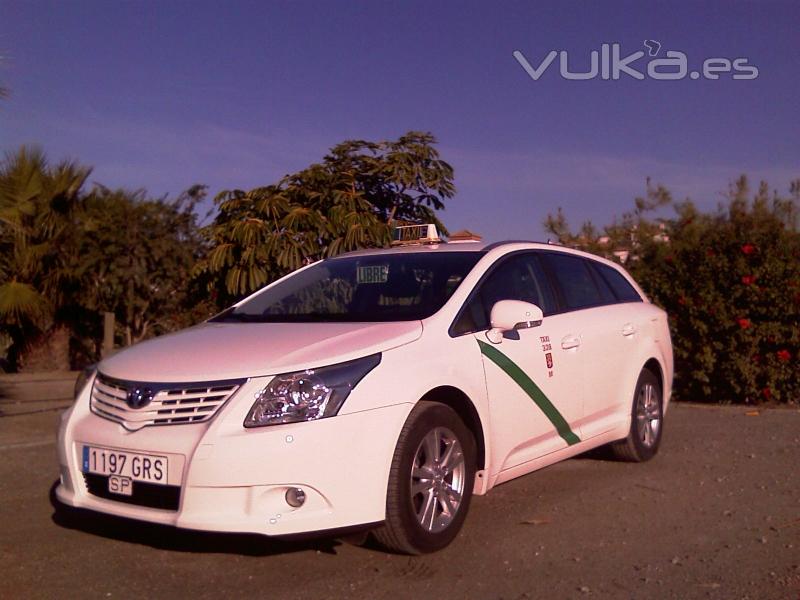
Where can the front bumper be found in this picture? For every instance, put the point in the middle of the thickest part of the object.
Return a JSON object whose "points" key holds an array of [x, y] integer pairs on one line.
{"points": [[234, 479]]}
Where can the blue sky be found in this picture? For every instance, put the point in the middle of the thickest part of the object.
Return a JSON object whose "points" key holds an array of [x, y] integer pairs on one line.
{"points": [[162, 95]]}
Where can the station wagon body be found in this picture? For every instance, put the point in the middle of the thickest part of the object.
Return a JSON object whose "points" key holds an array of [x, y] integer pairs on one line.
{"points": [[377, 389]]}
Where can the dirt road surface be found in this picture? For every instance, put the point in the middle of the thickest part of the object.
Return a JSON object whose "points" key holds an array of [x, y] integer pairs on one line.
{"points": [[715, 515]]}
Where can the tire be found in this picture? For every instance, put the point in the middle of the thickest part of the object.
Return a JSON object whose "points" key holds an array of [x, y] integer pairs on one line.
{"points": [[428, 498], [647, 421]]}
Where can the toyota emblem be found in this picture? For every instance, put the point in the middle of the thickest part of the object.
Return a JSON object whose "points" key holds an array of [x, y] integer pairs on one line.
{"points": [[139, 397]]}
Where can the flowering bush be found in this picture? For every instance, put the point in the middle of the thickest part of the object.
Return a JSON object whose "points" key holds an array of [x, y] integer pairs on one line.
{"points": [[730, 282]]}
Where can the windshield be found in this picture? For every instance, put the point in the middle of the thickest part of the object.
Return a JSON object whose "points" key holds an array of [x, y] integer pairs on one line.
{"points": [[381, 287]]}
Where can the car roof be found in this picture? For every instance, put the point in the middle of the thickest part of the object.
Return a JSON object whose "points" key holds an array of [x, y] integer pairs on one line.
{"points": [[483, 248], [445, 247]]}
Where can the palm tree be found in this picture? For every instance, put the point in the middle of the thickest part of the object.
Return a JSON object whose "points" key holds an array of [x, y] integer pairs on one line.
{"points": [[36, 205]]}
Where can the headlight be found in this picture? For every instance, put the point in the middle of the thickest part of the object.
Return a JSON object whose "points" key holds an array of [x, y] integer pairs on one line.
{"points": [[308, 395], [84, 376]]}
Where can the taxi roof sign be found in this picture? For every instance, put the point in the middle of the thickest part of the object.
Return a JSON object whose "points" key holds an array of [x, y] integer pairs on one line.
{"points": [[407, 235]]}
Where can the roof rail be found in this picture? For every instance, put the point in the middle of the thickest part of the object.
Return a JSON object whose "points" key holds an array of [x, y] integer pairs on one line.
{"points": [[494, 245]]}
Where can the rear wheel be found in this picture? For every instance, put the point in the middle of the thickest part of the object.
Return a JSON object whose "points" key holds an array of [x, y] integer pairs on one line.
{"points": [[647, 421], [430, 481]]}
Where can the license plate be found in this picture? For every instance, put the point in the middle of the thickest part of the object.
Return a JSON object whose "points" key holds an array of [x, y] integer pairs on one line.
{"points": [[133, 466]]}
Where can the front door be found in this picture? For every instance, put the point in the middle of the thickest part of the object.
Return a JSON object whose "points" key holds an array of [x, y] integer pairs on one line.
{"points": [[533, 381]]}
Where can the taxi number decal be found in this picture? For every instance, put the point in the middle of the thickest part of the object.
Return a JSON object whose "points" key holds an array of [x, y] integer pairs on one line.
{"points": [[548, 355]]}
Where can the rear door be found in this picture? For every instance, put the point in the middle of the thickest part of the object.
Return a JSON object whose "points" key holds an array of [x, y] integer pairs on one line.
{"points": [[604, 331], [534, 386], [624, 327]]}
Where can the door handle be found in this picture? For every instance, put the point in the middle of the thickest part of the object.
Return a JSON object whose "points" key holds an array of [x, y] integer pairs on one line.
{"points": [[628, 329], [570, 341]]}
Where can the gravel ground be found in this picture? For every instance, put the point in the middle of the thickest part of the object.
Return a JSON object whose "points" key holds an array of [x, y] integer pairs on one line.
{"points": [[715, 515]]}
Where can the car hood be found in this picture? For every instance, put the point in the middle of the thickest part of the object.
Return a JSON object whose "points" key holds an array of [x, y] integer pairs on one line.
{"points": [[218, 351]]}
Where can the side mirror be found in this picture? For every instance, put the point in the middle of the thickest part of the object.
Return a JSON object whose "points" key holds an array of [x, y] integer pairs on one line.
{"points": [[508, 315]]}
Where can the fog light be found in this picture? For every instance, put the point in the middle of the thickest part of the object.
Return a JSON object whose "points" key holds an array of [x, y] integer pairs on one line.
{"points": [[295, 497]]}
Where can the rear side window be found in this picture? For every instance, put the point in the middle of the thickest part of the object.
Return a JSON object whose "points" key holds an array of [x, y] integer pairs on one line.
{"points": [[518, 278], [606, 294], [623, 290], [575, 281]]}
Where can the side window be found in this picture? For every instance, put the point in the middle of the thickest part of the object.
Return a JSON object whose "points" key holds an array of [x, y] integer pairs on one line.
{"points": [[623, 290], [472, 317], [518, 278], [547, 298], [512, 280], [606, 294], [574, 279]]}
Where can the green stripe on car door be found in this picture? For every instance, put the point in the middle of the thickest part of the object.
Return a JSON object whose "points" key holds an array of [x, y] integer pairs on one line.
{"points": [[511, 369]]}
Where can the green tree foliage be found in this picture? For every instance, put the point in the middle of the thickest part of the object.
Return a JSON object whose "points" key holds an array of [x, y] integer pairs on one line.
{"points": [[133, 257], [67, 256], [730, 281], [343, 203], [37, 205]]}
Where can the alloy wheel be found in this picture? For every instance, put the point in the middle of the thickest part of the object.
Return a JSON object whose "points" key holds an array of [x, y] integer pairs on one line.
{"points": [[648, 415], [438, 475]]}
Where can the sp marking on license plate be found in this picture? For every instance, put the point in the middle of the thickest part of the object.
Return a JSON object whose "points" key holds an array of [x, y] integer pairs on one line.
{"points": [[120, 485]]}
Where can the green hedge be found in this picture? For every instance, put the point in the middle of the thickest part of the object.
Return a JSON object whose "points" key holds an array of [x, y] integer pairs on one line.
{"points": [[730, 282]]}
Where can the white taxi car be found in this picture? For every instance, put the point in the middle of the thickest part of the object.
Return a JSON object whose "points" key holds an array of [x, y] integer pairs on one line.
{"points": [[380, 388]]}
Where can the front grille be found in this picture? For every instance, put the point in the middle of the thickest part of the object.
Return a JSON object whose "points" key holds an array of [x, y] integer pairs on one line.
{"points": [[136, 404], [152, 495]]}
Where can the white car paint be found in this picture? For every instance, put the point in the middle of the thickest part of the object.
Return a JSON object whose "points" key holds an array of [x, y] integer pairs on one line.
{"points": [[235, 479], [253, 349]]}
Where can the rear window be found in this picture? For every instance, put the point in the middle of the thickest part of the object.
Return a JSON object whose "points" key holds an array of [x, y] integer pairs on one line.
{"points": [[622, 289]]}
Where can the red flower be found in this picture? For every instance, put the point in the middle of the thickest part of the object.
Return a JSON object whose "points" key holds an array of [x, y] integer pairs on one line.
{"points": [[710, 252], [743, 323], [784, 355], [668, 260], [748, 279], [748, 248], [767, 393], [757, 359], [682, 300]]}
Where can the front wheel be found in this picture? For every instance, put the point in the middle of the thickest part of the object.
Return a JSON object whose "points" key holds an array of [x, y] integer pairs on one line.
{"points": [[430, 481], [647, 421]]}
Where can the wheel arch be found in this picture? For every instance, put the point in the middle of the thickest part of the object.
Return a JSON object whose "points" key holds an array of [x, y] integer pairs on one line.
{"points": [[654, 366], [464, 407]]}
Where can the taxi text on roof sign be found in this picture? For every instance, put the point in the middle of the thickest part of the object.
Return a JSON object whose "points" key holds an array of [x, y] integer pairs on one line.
{"points": [[406, 235]]}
